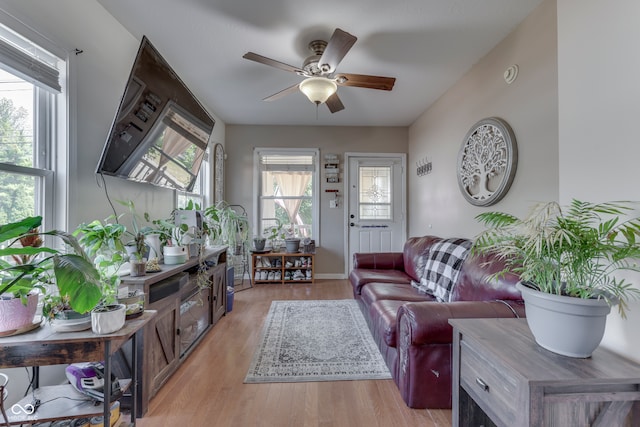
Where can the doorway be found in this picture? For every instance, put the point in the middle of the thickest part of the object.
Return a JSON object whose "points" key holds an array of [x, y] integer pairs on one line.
{"points": [[375, 203]]}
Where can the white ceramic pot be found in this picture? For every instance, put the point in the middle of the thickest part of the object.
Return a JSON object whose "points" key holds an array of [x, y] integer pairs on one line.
{"points": [[108, 319], [175, 254], [155, 248], [568, 326], [15, 315]]}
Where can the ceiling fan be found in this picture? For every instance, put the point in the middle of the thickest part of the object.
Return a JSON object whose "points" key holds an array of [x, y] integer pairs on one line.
{"points": [[321, 82]]}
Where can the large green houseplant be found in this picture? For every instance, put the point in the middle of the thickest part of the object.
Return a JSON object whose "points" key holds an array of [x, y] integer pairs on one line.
{"points": [[567, 254], [33, 265]]}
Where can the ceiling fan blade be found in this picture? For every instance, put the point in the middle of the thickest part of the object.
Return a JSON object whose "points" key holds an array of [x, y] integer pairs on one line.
{"points": [[363, 80], [282, 93], [334, 103], [272, 62], [338, 46]]}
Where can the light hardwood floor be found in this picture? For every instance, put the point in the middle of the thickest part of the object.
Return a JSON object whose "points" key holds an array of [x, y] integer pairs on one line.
{"points": [[207, 390]]}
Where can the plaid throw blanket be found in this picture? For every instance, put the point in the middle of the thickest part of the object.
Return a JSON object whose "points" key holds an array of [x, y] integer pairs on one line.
{"points": [[442, 268]]}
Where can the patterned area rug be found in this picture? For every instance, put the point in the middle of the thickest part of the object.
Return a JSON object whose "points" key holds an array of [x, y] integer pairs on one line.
{"points": [[325, 340]]}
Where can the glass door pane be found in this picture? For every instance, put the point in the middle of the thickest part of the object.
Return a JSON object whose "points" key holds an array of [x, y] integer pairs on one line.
{"points": [[374, 193]]}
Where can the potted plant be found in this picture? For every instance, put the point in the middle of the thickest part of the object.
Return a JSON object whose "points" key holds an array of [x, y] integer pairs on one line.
{"points": [[275, 234], [258, 243], [138, 249], [230, 226], [567, 259], [36, 267], [57, 310], [103, 242], [174, 239]]}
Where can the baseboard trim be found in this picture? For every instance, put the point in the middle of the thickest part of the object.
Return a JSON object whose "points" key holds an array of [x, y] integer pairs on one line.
{"points": [[331, 276]]}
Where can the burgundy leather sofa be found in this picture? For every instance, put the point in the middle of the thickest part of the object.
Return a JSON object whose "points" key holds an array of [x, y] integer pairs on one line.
{"points": [[411, 328]]}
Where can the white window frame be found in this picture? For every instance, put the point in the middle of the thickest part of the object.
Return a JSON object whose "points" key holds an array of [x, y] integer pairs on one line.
{"points": [[257, 185], [50, 133], [204, 198]]}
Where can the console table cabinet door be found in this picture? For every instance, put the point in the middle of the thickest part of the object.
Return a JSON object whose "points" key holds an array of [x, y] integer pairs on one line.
{"points": [[163, 344], [219, 289], [500, 372]]}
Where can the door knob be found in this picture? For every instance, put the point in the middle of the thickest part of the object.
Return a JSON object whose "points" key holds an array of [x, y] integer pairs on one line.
{"points": [[352, 216], [351, 224]]}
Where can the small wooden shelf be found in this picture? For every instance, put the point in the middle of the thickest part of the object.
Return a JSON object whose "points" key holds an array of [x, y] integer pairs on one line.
{"points": [[283, 267], [59, 402]]}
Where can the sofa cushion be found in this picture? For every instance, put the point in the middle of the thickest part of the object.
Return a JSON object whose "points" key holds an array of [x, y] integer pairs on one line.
{"points": [[415, 255], [383, 316], [361, 276], [477, 281], [375, 291], [443, 266]]}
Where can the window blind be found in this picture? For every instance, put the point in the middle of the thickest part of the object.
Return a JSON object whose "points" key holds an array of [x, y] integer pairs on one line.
{"points": [[287, 162], [29, 61]]}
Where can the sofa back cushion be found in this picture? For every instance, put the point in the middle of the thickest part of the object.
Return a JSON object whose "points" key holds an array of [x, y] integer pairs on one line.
{"points": [[442, 268], [476, 284], [415, 254]]}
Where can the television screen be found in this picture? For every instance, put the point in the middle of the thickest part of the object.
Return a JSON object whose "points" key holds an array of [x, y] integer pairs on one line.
{"points": [[161, 131]]}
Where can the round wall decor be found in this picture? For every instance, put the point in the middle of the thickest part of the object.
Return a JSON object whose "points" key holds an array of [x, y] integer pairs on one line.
{"points": [[487, 162]]}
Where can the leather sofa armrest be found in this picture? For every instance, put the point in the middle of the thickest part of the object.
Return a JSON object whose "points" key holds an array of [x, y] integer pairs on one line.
{"points": [[379, 260], [428, 322]]}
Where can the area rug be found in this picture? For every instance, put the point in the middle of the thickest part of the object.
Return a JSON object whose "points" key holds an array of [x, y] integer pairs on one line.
{"points": [[325, 340]]}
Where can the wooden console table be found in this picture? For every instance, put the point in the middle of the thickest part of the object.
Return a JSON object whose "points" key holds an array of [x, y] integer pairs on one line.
{"points": [[43, 346], [502, 377]]}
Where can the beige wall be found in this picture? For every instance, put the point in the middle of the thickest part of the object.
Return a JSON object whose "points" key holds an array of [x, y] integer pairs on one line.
{"points": [[598, 78], [529, 105], [241, 140]]}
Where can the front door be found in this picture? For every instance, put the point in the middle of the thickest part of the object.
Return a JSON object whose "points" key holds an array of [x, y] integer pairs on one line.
{"points": [[376, 217]]}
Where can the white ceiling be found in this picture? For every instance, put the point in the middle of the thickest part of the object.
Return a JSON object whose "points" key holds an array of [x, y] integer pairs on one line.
{"points": [[426, 44]]}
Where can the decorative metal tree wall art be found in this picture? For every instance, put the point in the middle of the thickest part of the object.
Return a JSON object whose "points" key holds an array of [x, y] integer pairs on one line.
{"points": [[487, 162]]}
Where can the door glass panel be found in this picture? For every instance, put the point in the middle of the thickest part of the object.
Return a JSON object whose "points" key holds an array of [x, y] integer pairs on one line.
{"points": [[374, 192]]}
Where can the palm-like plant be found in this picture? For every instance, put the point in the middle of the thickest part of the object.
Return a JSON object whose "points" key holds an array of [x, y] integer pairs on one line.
{"points": [[573, 251]]}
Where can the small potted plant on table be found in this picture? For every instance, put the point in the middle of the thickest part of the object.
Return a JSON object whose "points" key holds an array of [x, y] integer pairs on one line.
{"points": [[567, 258]]}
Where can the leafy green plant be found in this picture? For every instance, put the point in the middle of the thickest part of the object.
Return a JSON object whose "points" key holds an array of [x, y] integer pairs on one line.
{"points": [[573, 251], [102, 242], [72, 273], [139, 232], [228, 226]]}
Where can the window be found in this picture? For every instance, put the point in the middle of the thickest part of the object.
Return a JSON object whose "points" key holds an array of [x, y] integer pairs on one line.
{"points": [[30, 105], [287, 191], [201, 187]]}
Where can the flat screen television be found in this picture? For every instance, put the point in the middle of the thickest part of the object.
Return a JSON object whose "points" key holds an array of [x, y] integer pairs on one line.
{"points": [[160, 132]]}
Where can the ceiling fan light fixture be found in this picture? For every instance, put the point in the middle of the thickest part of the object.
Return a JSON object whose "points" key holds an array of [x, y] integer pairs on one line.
{"points": [[318, 89]]}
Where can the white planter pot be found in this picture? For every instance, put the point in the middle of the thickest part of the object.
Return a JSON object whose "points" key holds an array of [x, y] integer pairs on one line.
{"points": [[15, 315], [568, 326], [175, 254], [155, 248], [107, 320], [71, 321], [292, 245]]}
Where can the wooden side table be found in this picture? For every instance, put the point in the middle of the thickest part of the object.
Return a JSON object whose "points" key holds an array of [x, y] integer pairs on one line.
{"points": [[46, 347], [502, 377]]}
